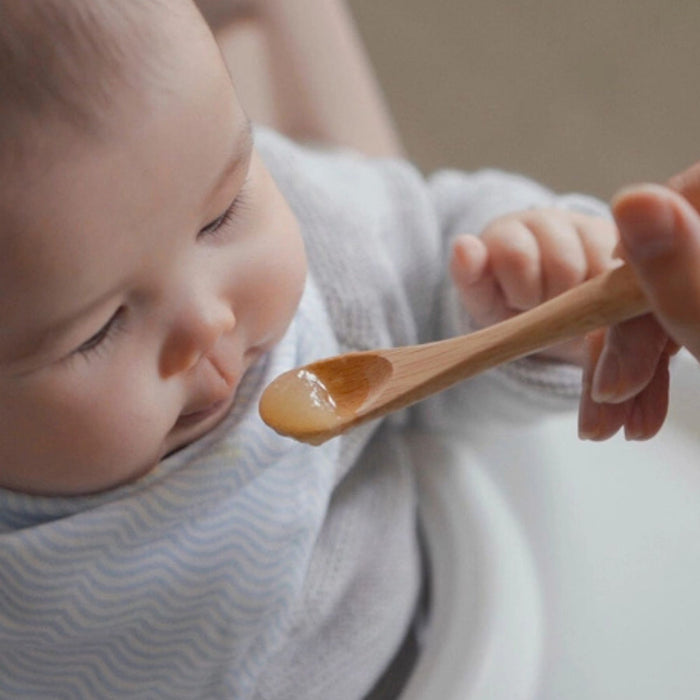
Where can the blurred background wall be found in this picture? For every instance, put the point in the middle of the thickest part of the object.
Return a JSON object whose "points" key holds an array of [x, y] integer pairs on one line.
{"points": [[581, 95]]}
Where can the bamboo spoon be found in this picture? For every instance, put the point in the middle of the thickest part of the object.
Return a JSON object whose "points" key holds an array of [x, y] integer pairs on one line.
{"points": [[319, 401]]}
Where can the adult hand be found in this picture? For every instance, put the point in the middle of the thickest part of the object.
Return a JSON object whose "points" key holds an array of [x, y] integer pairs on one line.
{"points": [[626, 380]]}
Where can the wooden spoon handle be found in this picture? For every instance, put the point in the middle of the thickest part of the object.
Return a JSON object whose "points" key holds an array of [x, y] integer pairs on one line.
{"points": [[606, 299], [609, 298]]}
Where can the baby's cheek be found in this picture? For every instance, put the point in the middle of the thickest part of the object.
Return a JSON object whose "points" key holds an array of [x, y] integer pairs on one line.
{"points": [[140, 418], [119, 436], [57, 447]]}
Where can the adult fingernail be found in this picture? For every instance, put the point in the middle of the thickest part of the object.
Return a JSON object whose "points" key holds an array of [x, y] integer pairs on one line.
{"points": [[606, 378], [588, 421], [646, 225], [635, 427]]}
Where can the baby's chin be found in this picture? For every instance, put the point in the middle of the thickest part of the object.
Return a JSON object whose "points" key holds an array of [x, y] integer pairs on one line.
{"points": [[186, 430]]}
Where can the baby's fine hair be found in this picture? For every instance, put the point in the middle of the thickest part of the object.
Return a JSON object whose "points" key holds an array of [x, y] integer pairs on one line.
{"points": [[63, 59]]}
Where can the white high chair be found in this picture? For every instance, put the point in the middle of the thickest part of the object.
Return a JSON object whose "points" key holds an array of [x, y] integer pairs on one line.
{"points": [[562, 569]]}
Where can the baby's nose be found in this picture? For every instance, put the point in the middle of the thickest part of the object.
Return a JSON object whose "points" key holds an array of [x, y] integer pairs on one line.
{"points": [[193, 334]]}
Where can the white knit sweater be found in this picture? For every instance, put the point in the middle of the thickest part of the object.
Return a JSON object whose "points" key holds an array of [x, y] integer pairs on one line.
{"points": [[247, 565]]}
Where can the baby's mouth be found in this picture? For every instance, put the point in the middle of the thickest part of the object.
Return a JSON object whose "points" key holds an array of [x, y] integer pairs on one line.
{"points": [[215, 401]]}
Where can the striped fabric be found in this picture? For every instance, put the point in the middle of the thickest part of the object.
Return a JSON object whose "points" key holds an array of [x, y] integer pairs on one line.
{"points": [[180, 585]]}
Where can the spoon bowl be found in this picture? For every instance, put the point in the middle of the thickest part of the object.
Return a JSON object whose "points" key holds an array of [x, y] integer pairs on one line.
{"points": [[324, 395], [321, 400]]}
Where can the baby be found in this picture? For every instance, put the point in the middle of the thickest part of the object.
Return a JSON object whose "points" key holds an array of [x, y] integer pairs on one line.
{"points": [[162, 262]]}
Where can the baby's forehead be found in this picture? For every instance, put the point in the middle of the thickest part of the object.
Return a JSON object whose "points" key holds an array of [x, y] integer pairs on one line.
{"points": [[69, 73], [67, 59]]}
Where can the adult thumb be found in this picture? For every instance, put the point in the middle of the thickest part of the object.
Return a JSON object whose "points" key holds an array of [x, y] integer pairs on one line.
{"points": [[660, 238]]}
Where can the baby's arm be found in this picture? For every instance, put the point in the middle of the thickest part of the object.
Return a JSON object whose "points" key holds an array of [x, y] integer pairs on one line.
{"points": [[523, 259]]}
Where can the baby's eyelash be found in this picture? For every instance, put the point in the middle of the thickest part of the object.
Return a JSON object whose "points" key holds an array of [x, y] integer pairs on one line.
{"points": [[238, 205], [97, 341]]}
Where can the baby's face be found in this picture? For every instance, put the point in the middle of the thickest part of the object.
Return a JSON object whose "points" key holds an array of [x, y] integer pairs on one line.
{"points": [[139, 279]]}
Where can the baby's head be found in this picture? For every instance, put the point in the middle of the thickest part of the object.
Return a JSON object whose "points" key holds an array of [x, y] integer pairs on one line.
{"points": [[148, 258]]}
